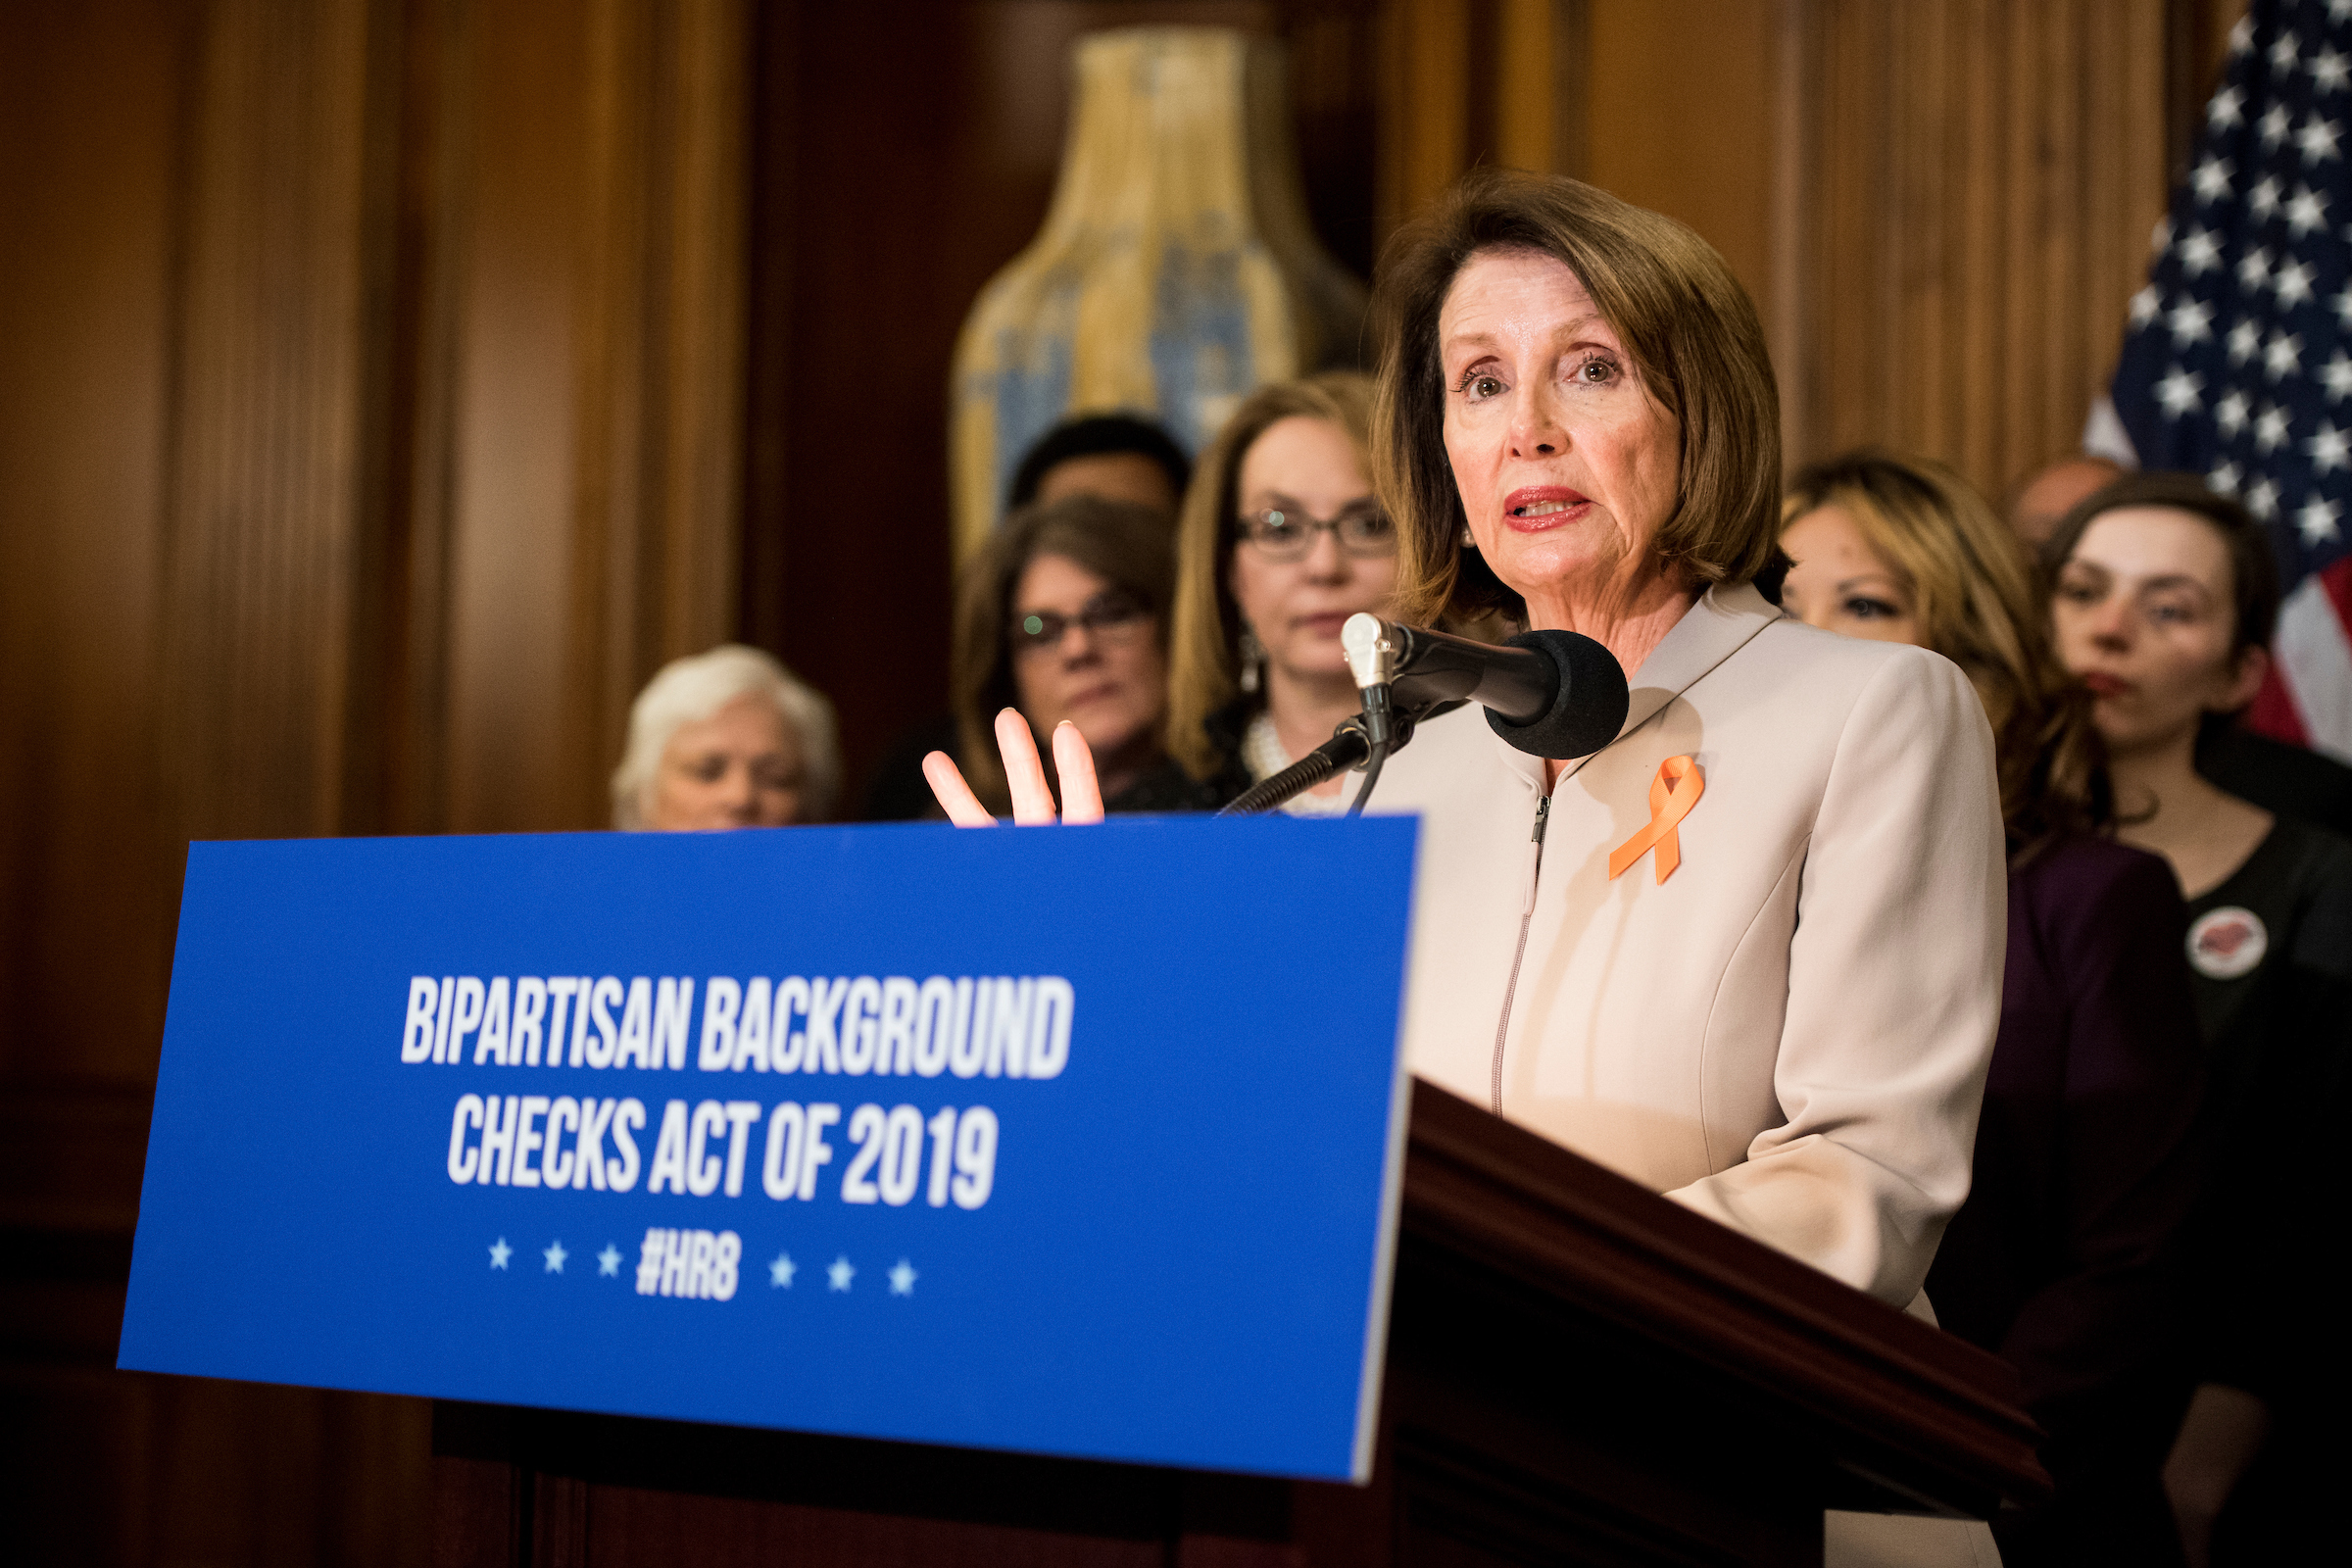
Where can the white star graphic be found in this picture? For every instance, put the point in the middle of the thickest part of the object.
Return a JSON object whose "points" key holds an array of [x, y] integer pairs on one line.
{"points": [[2329, 71], [2336, 377], [2283, 355], [2270, 428], [2162, 234], [2316, 139], [499, 1253], [2228, 108], [903, 1278], [2293, 284], [2307, 214], [2262, 499], [2254, 269], [2178, 392], [2330, 448], [2190, 322], [2275, 126], [607, 1262], [2284, 52], [2230, 415], [2337, 11], [554, 1255], [2200, 252], [2315, 522], [2245, 339], [2211, 178], [780, 1271], [2145, 305], [2241, 35], [2262, 200], [841, 1273], [2224, 478]]}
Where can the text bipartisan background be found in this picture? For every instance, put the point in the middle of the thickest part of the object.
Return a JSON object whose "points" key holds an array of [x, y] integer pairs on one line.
{"points": [[1073, 1142]]}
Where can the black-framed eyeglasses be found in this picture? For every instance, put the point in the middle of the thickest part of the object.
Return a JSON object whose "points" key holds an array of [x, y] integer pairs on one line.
{"points": [[1287, 534], [1112, 616]]}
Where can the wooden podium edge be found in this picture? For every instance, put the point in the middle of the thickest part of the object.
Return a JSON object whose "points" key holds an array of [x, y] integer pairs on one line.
{"points": [[1511, 1201]]}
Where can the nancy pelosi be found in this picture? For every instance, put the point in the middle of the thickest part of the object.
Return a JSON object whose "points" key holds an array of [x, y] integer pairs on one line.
{"points": [[1749, 953]]}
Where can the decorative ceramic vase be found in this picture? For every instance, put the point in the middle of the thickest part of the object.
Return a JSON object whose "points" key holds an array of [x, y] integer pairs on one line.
{"points": [[1176, 269]]}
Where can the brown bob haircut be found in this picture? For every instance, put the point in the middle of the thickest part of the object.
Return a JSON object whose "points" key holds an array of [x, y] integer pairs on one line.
{"points": [[1686, 323], [1128, 546], [1205, 655]]}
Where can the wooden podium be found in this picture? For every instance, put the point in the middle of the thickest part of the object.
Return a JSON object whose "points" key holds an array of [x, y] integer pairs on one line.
{"points": [[1579, 1371]]}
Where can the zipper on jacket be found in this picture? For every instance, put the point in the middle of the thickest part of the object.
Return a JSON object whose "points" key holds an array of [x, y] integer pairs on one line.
{"points": [[1527, 915]]}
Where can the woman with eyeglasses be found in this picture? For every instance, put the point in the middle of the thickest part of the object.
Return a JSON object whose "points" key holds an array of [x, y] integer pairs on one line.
{"points": [[1280, 540], [1061, 619]]}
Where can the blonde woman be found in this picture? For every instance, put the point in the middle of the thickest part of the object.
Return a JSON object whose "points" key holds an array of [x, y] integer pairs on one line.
{"points": [[1281, 541], [2084, 1169]]}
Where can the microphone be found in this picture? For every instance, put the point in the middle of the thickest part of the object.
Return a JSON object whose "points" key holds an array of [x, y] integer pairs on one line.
{"points": [[1548, 693]]}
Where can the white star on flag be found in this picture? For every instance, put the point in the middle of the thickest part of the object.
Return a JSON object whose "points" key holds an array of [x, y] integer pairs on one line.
{"points": [[554, 1255], [2178, 392], [2317, 521], [2275, 126], [2269, 427], [2329, 71], [2253, 271], [2336, 377], [2283, 355], [2330, 448], [2191, 322], [2337, 11], [841, 1273], [2343, 306], [2200, 252], [607, 1262], [499, 1253], [780, 1270], [2262, 200], [2211, 178], [2317, 139], [2293, 284], [2145, 304], [2262, 499], [2226, 478], [2241, 35], [2228, 108], [903, 1278], [2244, 339], [2230, 415], [2284, 52], [2307, 214]]}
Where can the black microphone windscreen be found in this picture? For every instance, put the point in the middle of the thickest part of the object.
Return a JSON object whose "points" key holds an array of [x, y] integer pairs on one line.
{"points": [[1589, 709]]}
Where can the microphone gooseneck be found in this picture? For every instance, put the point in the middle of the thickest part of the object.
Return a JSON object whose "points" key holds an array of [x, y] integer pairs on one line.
{"points": [[1548, 693]]}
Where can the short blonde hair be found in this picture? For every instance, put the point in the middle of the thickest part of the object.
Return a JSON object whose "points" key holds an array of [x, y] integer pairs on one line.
{"points": [[1204, 652], [687, 691], [1686, 323]]}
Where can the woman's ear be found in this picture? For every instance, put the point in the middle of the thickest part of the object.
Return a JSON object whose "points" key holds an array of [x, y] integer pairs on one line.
{"points": [[2253, 663]]}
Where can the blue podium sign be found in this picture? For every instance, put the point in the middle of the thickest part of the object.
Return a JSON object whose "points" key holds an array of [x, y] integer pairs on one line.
{"points": [[1081, 1142]]}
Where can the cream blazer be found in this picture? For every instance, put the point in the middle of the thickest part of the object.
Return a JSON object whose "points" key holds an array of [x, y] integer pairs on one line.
{"points": [[1788, 1035]]}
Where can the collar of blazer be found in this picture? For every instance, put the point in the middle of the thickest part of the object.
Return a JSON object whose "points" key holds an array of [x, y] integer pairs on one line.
{"points": [[1717, 626]]}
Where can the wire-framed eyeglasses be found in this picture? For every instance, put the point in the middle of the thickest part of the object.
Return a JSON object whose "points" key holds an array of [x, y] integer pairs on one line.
{"points": [[1112, 616], [1282, 533]]}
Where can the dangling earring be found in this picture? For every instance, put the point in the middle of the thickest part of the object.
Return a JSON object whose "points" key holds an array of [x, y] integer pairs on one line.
{"points": [[1253, 654]]}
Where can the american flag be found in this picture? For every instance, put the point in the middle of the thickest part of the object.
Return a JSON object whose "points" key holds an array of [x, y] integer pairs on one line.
{"points": [[2238, 360]]}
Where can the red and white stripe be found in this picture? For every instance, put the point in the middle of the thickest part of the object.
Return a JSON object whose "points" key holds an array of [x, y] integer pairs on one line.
{"points": [[2307, 698]]}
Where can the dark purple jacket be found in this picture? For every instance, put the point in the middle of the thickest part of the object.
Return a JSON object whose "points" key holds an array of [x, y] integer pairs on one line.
{"points": [[2063, 1260]]}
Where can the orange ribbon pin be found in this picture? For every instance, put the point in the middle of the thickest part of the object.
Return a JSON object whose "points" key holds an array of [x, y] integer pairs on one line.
{"points": [[1672, 794]]}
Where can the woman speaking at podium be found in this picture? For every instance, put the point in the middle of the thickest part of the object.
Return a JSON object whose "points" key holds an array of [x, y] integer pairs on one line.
{"points": [[1749, 953]]}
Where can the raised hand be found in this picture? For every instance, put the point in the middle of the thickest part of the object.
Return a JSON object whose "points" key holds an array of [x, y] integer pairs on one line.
{"points": [[1025, 775]]}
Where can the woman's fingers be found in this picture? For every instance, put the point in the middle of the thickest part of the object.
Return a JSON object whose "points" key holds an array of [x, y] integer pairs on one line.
{"points": [[1025, 773], [1074, 763], [955, 795]]}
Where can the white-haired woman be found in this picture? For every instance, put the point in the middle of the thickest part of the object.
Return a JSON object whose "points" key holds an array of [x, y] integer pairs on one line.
{"points": [[726, 739]]}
